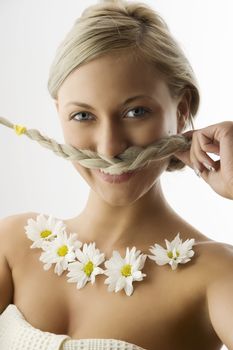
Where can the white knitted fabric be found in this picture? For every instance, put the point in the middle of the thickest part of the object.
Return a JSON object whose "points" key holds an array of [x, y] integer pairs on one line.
{"points": [[17, 334]]}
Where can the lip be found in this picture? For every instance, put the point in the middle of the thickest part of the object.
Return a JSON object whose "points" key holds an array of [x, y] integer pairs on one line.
{"points": [[116, 179]]}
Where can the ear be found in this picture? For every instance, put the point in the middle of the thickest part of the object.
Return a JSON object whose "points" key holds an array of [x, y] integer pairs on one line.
{"points": [[183, 110]]}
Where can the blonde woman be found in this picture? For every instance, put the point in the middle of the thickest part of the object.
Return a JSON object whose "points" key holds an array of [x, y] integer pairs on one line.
{"points": [[119, 79]]}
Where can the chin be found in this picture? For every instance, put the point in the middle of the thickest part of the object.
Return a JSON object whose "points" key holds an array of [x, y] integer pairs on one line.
{"points": [[125, 193], [117, 196]]}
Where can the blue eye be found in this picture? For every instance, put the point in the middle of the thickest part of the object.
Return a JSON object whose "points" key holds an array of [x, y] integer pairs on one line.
{"points": [[79, 120], [133, 109], [138, 109]]}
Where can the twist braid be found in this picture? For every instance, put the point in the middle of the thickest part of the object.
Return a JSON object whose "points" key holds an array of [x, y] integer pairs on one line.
{"points": [[132, 158]]}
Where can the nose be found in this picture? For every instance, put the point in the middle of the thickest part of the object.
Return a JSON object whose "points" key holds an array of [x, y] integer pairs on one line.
{"points": [[112, 140]]}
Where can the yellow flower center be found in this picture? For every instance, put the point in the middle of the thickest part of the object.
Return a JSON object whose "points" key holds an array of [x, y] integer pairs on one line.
{"points": [[170, 254], [88, 268], [126, 270], [45, 233], [62, 251]]}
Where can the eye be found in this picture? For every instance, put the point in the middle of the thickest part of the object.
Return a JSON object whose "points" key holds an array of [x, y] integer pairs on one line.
{"points": [[137, 109], [79, 113]]}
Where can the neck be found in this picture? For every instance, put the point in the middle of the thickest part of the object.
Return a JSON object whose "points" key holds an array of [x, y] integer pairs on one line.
{"points": [[148, 219]]}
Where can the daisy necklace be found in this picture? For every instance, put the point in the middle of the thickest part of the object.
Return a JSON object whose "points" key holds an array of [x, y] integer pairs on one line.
{"points": [[83, 265]]}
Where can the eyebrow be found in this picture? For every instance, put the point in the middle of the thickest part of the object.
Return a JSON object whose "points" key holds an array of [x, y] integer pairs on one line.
{"points": [[130, 99]]}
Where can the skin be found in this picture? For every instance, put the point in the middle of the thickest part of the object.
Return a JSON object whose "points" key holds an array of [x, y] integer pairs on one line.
{"points": [[167, 307], [218, 139], [120, 211]]}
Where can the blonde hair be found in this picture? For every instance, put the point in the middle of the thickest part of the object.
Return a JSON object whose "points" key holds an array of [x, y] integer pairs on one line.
{"points": [[133, 158], [115, 25], [112, 26]]}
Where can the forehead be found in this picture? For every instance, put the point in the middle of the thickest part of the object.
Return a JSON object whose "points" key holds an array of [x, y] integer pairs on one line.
{"points": [[112, 75]]}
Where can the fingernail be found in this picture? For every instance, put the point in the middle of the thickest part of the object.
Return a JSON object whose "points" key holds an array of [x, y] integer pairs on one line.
{"points": [[209, 167]]}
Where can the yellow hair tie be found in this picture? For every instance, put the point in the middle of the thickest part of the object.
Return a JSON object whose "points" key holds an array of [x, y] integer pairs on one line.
{"points": [[19, 129]]}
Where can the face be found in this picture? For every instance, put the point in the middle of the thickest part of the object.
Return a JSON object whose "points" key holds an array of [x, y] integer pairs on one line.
{"points": [[95, 114]]}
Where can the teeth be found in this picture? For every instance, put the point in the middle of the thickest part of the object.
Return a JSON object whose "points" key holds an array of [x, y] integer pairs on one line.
{"points": [[105, 172], [123, 172]]}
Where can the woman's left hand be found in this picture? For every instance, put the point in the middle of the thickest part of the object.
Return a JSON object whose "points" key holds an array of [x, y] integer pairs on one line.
{"points": [[217, 139]]}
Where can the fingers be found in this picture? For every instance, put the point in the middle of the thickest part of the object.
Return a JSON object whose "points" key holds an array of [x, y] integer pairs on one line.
{"points": [[201, 144], [215, 132], [226, 153], [216, 139]]}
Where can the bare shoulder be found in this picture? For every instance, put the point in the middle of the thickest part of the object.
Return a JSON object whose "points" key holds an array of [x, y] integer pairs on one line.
{"points": [[10, 243], [212, 258], [11, 232], [10, 225], [219, 287], [215, 258]]}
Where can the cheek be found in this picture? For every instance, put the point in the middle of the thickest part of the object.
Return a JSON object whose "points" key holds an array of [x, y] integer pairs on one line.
{"points": [[154, 169], [150, 131], [76, 135], [171, 122]]}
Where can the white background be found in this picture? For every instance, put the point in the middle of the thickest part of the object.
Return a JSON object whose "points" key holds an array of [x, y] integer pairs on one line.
{"points": [[32, 177]]}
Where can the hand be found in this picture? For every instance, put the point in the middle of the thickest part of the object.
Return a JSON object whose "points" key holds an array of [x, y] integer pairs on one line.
{"points": [[217, 139]]}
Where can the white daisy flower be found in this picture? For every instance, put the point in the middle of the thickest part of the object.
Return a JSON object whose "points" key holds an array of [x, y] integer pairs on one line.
{"points": [[176, 252], [60, 251], [86, 269], [122, 272], [43, 229]]}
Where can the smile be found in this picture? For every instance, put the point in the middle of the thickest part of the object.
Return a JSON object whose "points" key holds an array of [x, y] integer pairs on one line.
{"points": [[125, 176]]}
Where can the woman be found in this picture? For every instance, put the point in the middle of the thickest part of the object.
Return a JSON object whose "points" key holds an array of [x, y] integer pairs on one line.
{"points": [[116, 52]]}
